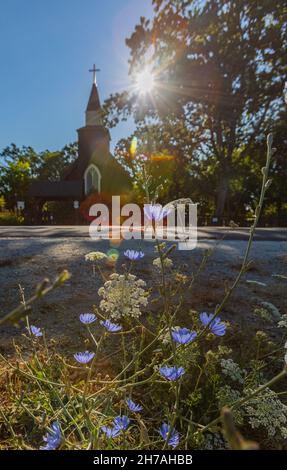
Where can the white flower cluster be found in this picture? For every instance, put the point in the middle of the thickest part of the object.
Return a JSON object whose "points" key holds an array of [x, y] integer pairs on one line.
{"points": [[215, 441], [267, 411], [167, 263], [232, 370], [283, 322], [95, 256], [123, 296], [227, 396]]}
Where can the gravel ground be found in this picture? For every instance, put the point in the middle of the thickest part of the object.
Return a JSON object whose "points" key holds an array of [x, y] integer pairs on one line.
{"points": [[26, 261]]}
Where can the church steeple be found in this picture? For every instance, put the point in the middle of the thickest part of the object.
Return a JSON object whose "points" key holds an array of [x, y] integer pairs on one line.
{"points": [[94, 110]]}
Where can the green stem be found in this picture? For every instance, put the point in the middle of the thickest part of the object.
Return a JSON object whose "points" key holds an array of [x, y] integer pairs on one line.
{"points": [[258, 211]]}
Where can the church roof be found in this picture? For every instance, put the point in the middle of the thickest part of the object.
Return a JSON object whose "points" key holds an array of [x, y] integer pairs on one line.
{"points": [[94, 100], [57, 190]]}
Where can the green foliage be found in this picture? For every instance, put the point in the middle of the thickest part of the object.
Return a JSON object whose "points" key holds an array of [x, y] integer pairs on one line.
{"points": [[17, 167], [20, 166], [151, 155], [220, 70], [7, 218]]}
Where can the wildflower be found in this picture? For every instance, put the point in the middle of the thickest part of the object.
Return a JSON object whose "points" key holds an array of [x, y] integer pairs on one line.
{"points": [[160, 247], [53, 438], [36, 331], [266, 411], [87, 318], [134, 255], [133, 406], [283, 322], [183, 335], [167, 263], [232, 370], [171, 373], [261, 336], [215, 441], [172, 435], [111, 432], [111, 327], [217, 327], [84, 357], [122, 422], [123, 296], [95, 256], [226, 396], [181, 278], [155, 213]]}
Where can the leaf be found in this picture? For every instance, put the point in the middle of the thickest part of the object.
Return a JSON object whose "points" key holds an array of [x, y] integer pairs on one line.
{"points": [[144, 437], [256, 283], [280, 276], [272, 309]]}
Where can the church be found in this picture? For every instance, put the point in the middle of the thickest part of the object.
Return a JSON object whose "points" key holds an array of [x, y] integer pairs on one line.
{"points": [[95, 175]]}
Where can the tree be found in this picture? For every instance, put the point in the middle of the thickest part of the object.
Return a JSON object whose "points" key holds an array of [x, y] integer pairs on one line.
{"points": [[220, 67], [153, 154], [20, 166], [17, 168], [54, 164]]}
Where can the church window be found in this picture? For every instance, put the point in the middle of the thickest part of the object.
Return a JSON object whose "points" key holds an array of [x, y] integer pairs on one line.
{"points": [[92, 180]]}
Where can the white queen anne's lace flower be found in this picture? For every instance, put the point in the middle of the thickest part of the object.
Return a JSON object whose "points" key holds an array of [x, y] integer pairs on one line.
{"points": [[123, 296], [267, 411], [283, 322], [232, 370], [95, 256], [167, 263]]}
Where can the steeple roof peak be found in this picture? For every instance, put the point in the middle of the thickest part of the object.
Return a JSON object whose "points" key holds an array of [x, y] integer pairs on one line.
{"points": [[94, 110], [94, 100]]}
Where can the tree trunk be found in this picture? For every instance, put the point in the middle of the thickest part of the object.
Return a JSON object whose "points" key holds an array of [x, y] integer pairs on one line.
{"points": [[279, 214], [222, 191]]}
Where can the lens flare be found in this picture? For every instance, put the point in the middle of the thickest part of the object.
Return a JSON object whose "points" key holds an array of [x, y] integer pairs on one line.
{"points": [[145, 82], [113, 255], [161, 157], [134, 146]]}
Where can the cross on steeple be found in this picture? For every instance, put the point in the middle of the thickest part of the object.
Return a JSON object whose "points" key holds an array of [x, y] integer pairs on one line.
{"points": [[94, 70]]}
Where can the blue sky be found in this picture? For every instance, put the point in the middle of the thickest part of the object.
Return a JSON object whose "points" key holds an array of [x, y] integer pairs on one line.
{"points": [[46, 49]]}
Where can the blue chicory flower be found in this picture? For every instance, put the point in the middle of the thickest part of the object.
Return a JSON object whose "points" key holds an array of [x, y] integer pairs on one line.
{"points": [[122, 422], [155, 212], [134, 255], [172, 435], [111, 327], [53, 438], [183, 335], [216, 326], [111, 432], [87, 318], [171, 373], [36, 331], [84, 357], [133, 406]]}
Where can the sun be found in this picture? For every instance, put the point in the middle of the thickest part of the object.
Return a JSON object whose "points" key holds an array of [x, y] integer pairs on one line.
{"points": [[145, 82]]}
